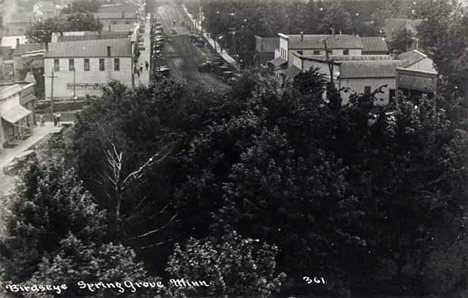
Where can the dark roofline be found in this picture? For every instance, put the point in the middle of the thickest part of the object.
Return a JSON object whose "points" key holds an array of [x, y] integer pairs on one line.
{"points": [[86, 57], [315, 59]]}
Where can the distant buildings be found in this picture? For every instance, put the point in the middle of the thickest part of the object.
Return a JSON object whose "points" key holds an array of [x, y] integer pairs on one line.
{"points": [[392, 27], [44, 10], [82, 67], [16, 112], [323, 44]]}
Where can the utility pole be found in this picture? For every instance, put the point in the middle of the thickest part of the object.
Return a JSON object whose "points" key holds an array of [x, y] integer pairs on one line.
{"points": [[74, 82], [52, 95]]}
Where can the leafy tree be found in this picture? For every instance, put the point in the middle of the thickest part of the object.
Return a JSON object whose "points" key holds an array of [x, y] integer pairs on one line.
{"points": [[82, 6], [231, 265], [75, 261], [402, 41], [49, 203], [41, 32], [83, 22]]}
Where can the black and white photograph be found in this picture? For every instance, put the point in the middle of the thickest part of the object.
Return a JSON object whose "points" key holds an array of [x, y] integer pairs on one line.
{"points": [[233, 148]]}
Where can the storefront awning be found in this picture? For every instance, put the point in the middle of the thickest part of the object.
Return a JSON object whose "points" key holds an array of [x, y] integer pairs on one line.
{"points": [[292, 72], [15, 114], [278, 61]]}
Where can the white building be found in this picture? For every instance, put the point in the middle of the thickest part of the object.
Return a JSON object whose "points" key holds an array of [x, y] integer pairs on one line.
{"points": [[320, 44], [412, 73], [83, 67], [16, 112], [44, 10]]}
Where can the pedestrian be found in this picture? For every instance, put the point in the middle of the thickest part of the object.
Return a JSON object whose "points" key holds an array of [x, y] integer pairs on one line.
{"points": [[147, 65], [42, 120], [141, 67], [138, 73], [58, 118], [55, 119]]}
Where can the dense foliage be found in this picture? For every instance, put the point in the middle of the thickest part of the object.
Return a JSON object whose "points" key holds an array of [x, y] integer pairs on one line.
{"points": [[270, 161], [41, 31]]}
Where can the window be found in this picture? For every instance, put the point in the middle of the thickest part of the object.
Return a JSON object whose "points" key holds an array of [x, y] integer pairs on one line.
{"points": [[345, 52], [391, 95], [367, 89], [316, 52], [86, 64], [116, 64], [101, 65], [71, 64], [301, 52], [56, 65]]}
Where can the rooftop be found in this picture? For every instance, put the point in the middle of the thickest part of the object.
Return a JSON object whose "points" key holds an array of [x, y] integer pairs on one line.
{"points": [[90, 48], [369, 69], [374, 44], [95, 36], [28, 47], [316, 41]]}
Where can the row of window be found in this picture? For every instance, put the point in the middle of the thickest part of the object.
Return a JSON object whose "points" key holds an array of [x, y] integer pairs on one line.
{"points": [[71, 64], [316, 53]]}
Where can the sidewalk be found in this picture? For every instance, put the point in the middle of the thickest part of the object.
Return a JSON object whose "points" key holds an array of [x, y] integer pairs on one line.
{"points": [[39, 132], [145, 56], [212, 42]]}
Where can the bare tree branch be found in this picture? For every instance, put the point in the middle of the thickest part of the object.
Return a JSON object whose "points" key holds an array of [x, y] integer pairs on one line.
{"points": [[154, 231]]}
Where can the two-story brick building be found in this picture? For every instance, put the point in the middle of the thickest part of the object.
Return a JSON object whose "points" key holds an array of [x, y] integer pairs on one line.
{"points": [[83, 67]]}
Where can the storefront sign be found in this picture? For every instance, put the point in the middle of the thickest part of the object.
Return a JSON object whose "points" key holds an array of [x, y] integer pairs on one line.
{"points": [[85, 86]]}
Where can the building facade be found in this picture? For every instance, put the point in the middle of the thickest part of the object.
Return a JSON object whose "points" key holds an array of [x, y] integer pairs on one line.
{"points": [[16, 112], [79, 68]]}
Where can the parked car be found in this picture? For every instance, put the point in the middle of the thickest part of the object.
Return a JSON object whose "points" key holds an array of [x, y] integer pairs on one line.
{"points": [[15, 166], [164, 70], [205, 67], [226, 75]]}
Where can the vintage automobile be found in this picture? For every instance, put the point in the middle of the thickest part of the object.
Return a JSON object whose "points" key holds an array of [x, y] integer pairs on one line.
{"points": [[18, 163], [205, 67]]}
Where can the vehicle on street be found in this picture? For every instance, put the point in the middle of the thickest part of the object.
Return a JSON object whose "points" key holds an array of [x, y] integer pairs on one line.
{"points": [[15, 166], [205, 67], [174, 32], [164, 70], [226, 75]]}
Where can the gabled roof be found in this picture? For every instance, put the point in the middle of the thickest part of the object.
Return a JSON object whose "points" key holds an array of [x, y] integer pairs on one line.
{"points": [[96, 36], [117, 8], [292, 72], [316, 41], [374, 44], [344, 42], [412, 57], [28, 47], [349, 58], [90, 48], [115, 15], [369, 69]]}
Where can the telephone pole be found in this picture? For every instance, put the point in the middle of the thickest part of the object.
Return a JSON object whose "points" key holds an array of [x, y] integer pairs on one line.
{"points": [[52, 95]]}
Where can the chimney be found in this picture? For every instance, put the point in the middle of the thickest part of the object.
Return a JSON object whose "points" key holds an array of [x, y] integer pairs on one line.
{"points": [[108, 51], [109, 27], [333, 31], [123, 14], [302, 36], [46, 46], [17, 42], [395, 54], [340, 32]]}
